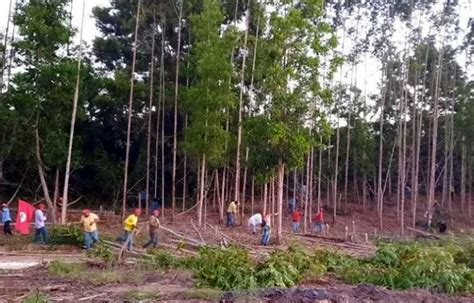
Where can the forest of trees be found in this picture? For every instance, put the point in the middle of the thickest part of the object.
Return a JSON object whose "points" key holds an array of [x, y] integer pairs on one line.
{"points": [[200, 102]]}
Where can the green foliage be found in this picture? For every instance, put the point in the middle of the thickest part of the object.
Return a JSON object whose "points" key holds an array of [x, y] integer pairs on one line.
{"points": [[139, 296], [66, 234], [61, 268], [102, 251], [37, 297], [410, 266], [283, 268], [225, 269], [163, 260]]}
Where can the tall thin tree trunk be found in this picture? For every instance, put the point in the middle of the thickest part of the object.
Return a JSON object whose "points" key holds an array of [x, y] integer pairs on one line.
{"points": [[158, 116], [41, 173], [163, 109], [281, 177], [150, 105], [265, 198], [130, 109], [310, 188], [175, 121], [434, 140], [252, 198], [320, 171], [336, 167], [201, 190], [244, 186], [240, 109], [380, 168], [306, 211], [5, 44], [463, 173], [73, 122]]}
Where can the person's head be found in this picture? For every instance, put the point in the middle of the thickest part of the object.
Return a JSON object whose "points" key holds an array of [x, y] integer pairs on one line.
{"points": [[41, 206], [321, 209], [156, 212], [4, 205], [137, 211], [86, 212]]}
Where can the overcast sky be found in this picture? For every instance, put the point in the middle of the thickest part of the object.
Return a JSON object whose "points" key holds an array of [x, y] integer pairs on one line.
{"points": [[368, 70]]}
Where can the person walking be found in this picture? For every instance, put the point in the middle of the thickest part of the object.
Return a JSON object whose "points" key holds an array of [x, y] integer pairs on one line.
{"points": [[266, 232], [319, 221], [231, 212], [129, 228], [40, 225], [153, 226], [89, 224], [6, 219], [296, 219], [253, 221]]}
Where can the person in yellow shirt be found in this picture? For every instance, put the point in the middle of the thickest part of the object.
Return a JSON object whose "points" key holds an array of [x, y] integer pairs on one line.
{"points": [[231, 212], [129, 226], [89, 224]]}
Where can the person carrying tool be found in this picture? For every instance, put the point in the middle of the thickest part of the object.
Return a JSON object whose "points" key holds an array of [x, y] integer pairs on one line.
{"points": [[153, 226], [129, 228]]}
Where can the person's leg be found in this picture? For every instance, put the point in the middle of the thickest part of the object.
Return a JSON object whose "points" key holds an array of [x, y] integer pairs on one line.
{"points": [[9, 231], [7, 228], [130, 240], [228, 219], [87, 240], [254, 229], [154, 239], [45, 235], [95, 236], [149, 242], [37, 235]]}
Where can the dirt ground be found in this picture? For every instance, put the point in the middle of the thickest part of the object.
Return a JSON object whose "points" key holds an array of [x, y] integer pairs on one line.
{"points": [[23, 270]]}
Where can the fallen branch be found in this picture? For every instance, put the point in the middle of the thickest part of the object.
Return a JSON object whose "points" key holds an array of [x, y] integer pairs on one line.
{"points": [[90, 297], [186, 243], [179, 235], [187, 210], [423, 233], [197, 230]]}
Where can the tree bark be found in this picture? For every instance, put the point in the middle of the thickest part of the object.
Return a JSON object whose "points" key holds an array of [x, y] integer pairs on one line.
{"points": [[73, 122], [281, 177], [201, 190], [44, 184], [244, 186], [130, 109], [150, 105], [175, 121]]}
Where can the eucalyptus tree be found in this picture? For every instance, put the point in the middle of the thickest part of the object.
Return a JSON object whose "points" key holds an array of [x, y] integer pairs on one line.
{"points": [[210, 93], [288, 64]]}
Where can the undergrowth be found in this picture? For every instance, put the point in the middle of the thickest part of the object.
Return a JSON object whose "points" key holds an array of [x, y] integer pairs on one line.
{"points": [[441, 268], [66, 234]]}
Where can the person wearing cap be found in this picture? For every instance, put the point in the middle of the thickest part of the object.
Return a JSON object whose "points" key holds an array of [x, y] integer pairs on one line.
{"points": [[6, 219], [129, 226], [40, 226], [153, 226], [89, 223]]}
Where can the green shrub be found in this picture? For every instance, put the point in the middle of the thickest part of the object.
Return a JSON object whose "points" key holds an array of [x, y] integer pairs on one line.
{"points": [[226, 269], [283, 268], [66, 234], [37, 297], [163, 260], [102, 251]]}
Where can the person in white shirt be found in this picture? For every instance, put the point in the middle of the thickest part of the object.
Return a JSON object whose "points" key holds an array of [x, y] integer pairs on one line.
{"points": [[253, 221], [40, 219]]}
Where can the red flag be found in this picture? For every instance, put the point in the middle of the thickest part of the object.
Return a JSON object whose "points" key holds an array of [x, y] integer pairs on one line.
{"points": [[24, 216]]}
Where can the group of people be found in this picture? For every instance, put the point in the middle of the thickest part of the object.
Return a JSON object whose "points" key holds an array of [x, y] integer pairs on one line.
{"points": [[41, 234]]}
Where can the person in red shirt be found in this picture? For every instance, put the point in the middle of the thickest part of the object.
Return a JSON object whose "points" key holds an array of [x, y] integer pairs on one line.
{"points": [[296, 218], [319, 221]]}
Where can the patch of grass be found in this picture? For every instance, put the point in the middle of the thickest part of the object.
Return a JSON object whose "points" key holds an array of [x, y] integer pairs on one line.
{"points": [[60, 268], [138, 295], [103, 252], [209, 294], [37, 297], [66, 234]]}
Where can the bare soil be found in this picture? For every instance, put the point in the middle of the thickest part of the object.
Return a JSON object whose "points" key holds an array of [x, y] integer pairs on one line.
{"points": [[23, 269]]}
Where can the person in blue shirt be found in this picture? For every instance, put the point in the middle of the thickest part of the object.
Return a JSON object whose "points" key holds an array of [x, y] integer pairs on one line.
{"points": [[6, 219]]}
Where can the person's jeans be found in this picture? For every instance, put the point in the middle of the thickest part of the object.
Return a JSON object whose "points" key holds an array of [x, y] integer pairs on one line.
{"points": [[127, 237], [230, 219], [266, 236], [41, 233], [90, 237], [6, 228], [318, 227], [153, 240], [296, 227]]}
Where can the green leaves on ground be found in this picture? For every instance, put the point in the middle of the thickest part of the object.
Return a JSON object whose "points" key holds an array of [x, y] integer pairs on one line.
{"points": [[66, 234]]}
